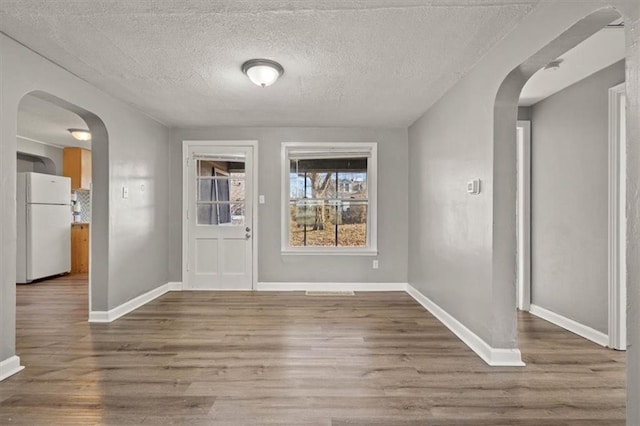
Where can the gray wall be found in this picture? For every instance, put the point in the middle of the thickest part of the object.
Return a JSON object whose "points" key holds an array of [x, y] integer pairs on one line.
{"points": [[53, 153], [524, 113], [272, 266], [569, 199], [25, 164], [463, 258], [130, 236], [461, 136]]}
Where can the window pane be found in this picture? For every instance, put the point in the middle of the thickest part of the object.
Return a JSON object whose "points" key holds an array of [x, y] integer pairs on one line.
{"points": [[237, 214], [320, 223], [328, 178], [206, 190], [308, 227], [237, 189], [206, 168], [214, 189], [221, 189], [220, 180], [221, 214], [220, 167], [328, 202], [299, 185], [352, 185], [352, 224], [224, 213], [313, 185], [207, 214]]}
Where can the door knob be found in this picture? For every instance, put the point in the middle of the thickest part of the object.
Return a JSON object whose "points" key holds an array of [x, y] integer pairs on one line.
{"points": [[247, 235], [247, 229]]}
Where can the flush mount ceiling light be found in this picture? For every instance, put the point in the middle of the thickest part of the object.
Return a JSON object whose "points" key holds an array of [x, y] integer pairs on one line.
{"points": [[262, 72], [80, 134], [553, 65]]}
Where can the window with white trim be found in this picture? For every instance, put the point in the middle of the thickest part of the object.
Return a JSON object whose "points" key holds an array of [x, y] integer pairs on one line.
{"points": [[329, 198]]}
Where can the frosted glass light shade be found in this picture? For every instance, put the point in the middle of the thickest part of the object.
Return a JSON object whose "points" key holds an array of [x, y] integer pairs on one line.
{"points": [[80, 134], [262, 72]]}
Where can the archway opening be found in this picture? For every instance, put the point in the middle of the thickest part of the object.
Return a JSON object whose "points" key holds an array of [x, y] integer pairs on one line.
{"points": [[516, 239], [67, 263]]}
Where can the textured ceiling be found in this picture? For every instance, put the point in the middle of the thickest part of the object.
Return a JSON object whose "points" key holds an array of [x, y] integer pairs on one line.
{"points": [[347, 62]]}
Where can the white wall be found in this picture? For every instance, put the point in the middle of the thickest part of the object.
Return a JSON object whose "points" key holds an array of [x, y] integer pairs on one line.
{"points": [[569, 193], [129, 237], [274, 267]]}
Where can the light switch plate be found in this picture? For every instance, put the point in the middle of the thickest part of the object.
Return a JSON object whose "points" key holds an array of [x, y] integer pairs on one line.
{"points": [[261, 199], [473, 186], [125, 192]]}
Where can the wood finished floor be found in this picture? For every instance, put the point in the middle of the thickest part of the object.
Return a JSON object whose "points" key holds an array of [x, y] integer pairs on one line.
{"points": [[289, 359]]}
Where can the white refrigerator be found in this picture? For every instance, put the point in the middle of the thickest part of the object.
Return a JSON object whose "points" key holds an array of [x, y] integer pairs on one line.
{"points": [[44, 226]]}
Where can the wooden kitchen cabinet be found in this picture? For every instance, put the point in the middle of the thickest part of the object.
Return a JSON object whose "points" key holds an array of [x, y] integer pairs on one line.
{"points": [[79, 248], [76, 164]]}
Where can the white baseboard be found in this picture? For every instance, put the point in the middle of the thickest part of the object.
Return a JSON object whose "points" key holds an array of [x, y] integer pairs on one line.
{"points": [[9, 367], [295, 286], [495, 357], [492, 356], [175, 286], [99, 316], [568, 324], [131, 305]]}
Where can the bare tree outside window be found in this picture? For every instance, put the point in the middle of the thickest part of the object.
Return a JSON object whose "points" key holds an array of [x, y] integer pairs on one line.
{"points": [[328, 202]]}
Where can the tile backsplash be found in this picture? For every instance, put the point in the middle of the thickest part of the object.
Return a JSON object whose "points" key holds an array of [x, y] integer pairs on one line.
{"points": [[84, 198]]}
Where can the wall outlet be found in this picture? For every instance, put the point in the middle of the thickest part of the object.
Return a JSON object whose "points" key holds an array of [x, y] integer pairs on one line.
{"points": [[375, 264]]}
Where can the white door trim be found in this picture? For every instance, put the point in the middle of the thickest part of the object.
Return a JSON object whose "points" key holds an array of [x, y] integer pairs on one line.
{"points": [[523, 288], [188, 144], [617, 223]]}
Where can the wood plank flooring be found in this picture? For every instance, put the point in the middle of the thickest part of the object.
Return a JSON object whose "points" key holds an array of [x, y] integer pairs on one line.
{"points": [[241, 358]]}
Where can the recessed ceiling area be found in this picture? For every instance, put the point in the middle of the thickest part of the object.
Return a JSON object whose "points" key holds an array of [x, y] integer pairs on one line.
{"points": [[348, 62], [604, 48], [44, 122]]}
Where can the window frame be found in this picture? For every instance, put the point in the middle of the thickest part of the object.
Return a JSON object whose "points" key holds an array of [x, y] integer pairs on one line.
{"points": [[370, 149]]}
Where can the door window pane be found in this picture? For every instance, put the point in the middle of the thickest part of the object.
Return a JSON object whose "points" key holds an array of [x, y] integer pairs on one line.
{"points": [[237, 189], [207, 214], [237, 214], [220, 192]]}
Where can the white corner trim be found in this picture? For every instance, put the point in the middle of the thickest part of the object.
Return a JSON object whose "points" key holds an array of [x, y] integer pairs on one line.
{"points": [[523, 289], [573, 326], [175, 286], [98, 316], [131, 305], [9, 367], [617, 231], [495, 357], [320, 286]]}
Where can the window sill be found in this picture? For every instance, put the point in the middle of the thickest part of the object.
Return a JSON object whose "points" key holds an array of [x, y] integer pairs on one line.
{"points": [[329, 252]]}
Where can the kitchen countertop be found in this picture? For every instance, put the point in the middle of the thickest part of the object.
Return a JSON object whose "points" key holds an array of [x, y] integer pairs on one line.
{"points": [[79, 223]]}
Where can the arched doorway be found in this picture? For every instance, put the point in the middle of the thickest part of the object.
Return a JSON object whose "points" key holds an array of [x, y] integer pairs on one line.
{"points": [[504, 163], [98, 218]]}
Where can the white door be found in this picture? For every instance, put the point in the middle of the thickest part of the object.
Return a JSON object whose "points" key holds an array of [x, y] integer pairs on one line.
{"points": [[219, 185]]}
